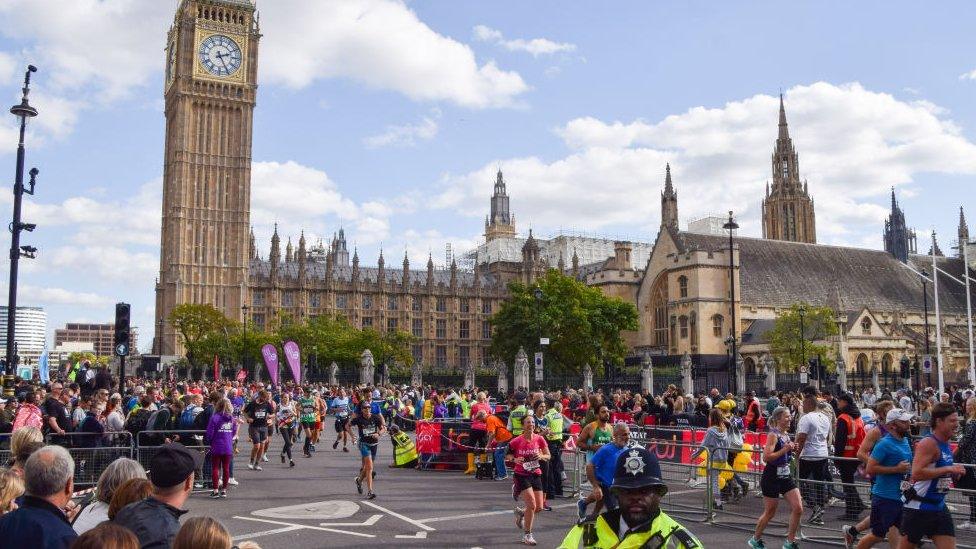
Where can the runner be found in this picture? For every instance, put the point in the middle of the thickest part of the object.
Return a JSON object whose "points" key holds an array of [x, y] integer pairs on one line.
{"points": [[307, 410], [593, 436], [528, 449], [371, 428], [256, 414], [601, 469], [320, 410], [340, 408], [777, 480], [871, 437], [286, 426], [889, 464], [925, 512]]}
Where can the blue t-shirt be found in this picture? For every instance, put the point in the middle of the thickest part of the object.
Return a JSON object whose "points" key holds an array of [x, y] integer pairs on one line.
{"points": [[605, 462], [889, 452]]}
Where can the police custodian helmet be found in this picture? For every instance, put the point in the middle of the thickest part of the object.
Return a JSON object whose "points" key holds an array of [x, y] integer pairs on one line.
{"points": [[637, 468]]}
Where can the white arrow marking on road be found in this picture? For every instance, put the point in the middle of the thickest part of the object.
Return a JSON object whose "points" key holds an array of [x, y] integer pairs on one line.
{"points": [[418, 535], [368, 522], [485, 514], [252, 535], [307, 526], [399, 516], [322, 510]]}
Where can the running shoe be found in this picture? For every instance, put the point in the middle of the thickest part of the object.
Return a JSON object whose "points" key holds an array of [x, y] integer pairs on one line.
{"points": [[223, 493], [265, 458], [547, 507], [581, 509], [370, 495], [374, 474], [790, 545], [850, 535], [527, 539], [291, 463], [312, 446], [519, 517], [816, 518], [250, 465], [756, 543], [257, 467], [232, 481], [214, 494], [344, 449], [335, 444], [359, 485], [308, 455], [966, 526], [282, 459]]}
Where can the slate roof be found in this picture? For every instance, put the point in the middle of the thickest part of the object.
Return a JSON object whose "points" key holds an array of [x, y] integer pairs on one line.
{"points": [[316, 271], [775, 273]]}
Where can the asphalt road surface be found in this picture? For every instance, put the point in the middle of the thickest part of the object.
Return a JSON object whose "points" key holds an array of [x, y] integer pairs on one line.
{"points": [[315, 504]]}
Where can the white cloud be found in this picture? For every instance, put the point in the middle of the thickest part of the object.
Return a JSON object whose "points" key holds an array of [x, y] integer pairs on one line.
{"points": [[534, 46], [971, 75], [382, 44], [853, 144], [407, 135], [107, 262], [41, 295]]}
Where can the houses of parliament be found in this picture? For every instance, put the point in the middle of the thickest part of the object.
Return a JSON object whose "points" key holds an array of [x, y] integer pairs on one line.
{"points": [[679, 281]]}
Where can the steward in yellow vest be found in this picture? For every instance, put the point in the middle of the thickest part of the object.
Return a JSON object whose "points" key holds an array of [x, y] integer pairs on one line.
{"points": [[637, 484], [404, 451], [517, 414]]}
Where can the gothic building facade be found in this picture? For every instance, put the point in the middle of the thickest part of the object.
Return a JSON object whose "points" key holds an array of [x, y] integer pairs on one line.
{"points": [[899, 240], [787, 209]]}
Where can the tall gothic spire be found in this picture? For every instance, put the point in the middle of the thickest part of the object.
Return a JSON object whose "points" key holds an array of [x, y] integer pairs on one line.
{"points": [[669, 201], [275, 255], [254, 248], [963, 232], [784, 131], [787, 210], [500, 222], [289, 251]]}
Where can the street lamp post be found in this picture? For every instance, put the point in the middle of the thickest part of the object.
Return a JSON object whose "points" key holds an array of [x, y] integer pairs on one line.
{"points": [[731, 226], [23, 110], [803, 341], [244, 343], [538, 318], [925, 305]]}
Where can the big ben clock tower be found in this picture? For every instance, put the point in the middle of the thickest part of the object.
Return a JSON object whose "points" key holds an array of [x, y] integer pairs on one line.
{"points": [[211, 84]]}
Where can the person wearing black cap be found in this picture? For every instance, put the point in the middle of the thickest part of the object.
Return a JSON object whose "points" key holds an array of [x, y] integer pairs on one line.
{"points": [[156, 519], [639, 520]]}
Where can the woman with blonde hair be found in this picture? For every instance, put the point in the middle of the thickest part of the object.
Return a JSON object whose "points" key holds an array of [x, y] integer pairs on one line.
{"points": [[206, 533], [716, 442], [11, 488], [20, 438], [107, 536], [114, 476]]}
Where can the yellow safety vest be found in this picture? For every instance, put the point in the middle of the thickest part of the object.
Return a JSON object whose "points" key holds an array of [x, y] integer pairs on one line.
{"points": [[404, 450], [555, 425], [663, 532], [515, 418]]}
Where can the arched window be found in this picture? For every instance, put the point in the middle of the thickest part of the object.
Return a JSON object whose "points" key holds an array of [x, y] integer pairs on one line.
{"points": [[862, 363], [717, 325], [693, 321], [866, 326], [659, 308], [683, 286], [683, 324]]}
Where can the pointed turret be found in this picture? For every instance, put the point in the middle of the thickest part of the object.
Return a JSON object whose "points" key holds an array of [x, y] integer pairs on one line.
{"points": [[355, 264], [301, 257], [787, 210], [381, 269], [275, 256], [406, 270], [963, 232], [430, 270], [500, 222], [575, 264], [341, 251], [289, 251], [561, 265], [669, 201], [254, 249], [454, 273], [899, 240], [784, 131]]}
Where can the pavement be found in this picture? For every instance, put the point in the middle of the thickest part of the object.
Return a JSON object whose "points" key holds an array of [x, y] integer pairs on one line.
{"points": [[315, 504]]}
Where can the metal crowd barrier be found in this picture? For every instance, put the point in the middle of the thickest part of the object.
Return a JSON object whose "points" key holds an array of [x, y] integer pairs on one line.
{"points": [[6, 456], [148, 443], [92, 452]]}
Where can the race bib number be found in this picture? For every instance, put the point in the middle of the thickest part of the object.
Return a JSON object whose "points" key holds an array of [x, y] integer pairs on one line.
{"points": [[943, 485], [530, 465], [783, 471], [369, 431], [905, 485], [260, 414]]}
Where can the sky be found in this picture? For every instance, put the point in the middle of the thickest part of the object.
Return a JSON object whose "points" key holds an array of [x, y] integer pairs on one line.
{"points": [[390, 119]]}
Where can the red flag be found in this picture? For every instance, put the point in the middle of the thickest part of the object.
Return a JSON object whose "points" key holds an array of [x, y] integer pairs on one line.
{"points": [[241, 375], [216, 367], [428, 436]]}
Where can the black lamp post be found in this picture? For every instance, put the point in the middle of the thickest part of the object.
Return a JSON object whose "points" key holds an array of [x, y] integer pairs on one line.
{"points": [[244, 343], [803, 348], [23, 110], [538, 319], [925, 305], [731, 226]]}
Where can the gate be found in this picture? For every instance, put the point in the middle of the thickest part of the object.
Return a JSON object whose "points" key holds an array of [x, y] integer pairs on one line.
{"points": [[756, 383]]}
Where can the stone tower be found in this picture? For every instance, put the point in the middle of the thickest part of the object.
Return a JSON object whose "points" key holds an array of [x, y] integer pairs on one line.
{"points": [[899, 240], [787, 210], [669, 201], [210, 90], [501, 223]]}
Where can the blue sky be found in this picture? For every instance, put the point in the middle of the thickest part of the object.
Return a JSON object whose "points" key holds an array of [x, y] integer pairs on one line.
{"points": [[390, 118]]}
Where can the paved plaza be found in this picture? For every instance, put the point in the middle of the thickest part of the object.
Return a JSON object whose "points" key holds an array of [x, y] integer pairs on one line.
{"points": [[315, 504]]}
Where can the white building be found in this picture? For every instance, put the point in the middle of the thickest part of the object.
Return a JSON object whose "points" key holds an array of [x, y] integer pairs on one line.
{"points": [[30, 334]]}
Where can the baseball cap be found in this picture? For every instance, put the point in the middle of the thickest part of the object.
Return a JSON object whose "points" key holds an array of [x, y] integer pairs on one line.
{"points": [[172, 464], [897, 414]]}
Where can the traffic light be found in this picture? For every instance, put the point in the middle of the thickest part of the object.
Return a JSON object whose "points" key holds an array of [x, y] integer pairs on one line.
{"points": [[121, 329], [904, 363], [814, 364]]}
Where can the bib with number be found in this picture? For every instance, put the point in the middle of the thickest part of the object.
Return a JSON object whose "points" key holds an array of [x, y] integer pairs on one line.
{"points": [[783, 471]]}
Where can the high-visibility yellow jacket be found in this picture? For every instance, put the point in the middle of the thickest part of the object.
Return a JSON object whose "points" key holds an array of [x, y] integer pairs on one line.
{"points": [[404, 450], [659, 533]]}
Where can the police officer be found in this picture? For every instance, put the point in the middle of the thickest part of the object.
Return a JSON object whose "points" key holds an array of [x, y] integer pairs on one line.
{"points": [[517, 414], [554, 438], [639, 520]]}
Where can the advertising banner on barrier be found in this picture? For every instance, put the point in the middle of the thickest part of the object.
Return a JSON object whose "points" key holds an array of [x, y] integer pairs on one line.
{"points": [[443, 444], [428, 437]]}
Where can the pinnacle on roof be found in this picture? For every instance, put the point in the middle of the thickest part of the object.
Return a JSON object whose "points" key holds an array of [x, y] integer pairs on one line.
{"points": [[668, 188], [784, 132], [963, 227]]}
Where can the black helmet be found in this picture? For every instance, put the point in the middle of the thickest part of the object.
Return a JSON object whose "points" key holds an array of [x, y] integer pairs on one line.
{"points": [[637, 468]]}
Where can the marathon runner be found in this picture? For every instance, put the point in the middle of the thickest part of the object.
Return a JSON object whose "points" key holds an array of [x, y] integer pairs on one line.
{"points": [[529, 450], [371, 428], [593, 436], [871, 437], [307, 418], [256, 413], [777, 479], [889, 464], [340, 408], [925, 512]]}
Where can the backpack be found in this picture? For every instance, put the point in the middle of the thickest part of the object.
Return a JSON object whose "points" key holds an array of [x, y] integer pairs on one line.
{"points": [[137, 421], [202, 419], [187, 418]]}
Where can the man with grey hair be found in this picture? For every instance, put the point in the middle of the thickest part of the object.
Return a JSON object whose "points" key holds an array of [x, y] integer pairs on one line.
{"points": [[41, 520]]}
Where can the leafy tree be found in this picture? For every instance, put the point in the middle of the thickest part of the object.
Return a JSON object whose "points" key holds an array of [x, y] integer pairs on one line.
{"points": [[785, 338], [198, 325], [582, 324]]}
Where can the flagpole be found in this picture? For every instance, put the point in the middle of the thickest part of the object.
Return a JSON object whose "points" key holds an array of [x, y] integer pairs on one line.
{"points": [[969, 310], [938, 324]]}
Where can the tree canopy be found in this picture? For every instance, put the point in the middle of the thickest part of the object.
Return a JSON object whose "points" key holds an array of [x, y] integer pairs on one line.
{"points": [[785, 342], [583, 325]]}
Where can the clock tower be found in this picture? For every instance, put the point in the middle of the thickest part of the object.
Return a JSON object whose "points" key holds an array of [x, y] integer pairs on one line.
{"points": [[210, 89]]}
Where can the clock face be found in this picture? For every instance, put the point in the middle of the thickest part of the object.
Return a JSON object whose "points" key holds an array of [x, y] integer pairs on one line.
{"points": [[220, 55]]}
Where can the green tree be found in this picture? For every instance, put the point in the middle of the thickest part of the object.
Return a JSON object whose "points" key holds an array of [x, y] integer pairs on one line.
{"points": [[785, 339], [582, 324], [199, 326]]}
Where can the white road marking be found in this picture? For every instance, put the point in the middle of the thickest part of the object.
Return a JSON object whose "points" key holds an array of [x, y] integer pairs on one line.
{"points": [[321, 510], [399, 516], [418, 535], [485, 514], [307, 526], [368, 522], [253, 535]]}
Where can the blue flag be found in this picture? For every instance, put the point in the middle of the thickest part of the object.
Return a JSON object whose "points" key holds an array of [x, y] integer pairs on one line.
{"points": [[42, 368]]}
